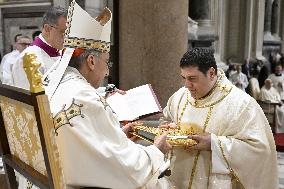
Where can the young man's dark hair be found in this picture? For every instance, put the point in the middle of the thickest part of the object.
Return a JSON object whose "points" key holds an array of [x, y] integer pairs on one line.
{"points": [[203, 58], [51, 16]]}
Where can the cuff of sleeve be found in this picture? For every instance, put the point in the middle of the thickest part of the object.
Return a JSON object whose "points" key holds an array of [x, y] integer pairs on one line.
{"points": [[218, 163]]}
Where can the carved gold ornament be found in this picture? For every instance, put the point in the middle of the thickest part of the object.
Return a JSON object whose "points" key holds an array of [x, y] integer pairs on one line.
{"points": [[31, 66]]}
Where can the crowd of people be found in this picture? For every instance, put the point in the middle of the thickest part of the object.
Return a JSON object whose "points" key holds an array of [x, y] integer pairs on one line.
{"points": [[263, 81], [98, 152]]}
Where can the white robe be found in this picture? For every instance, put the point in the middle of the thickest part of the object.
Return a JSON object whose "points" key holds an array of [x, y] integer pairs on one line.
{"points": [[278, 83], [93, 148], [18, 74], [240, 80], [6, 67], [272, 95], [238, 122]]}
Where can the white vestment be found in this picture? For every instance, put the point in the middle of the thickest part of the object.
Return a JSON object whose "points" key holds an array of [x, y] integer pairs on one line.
{"points": [[18, 74], [240, 80], [272, 95], [278, 83], [93, 148], [240, 135], [6, 66]]}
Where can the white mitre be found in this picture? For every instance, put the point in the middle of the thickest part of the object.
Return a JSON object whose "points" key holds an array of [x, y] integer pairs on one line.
{"points": [[83, 31]]}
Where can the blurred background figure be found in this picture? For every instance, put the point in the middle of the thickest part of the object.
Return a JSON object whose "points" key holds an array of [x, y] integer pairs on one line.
{"points": [[239, 79], [35, 34], [21, 42], [277, 79]]}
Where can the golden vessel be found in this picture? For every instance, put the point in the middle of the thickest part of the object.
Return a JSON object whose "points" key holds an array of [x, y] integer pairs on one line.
{"points": [[176, 137]]}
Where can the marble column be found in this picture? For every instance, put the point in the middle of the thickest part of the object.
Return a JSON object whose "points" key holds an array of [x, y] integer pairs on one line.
{"points": [[267, 20], [275, 19], [199, 11], [152, 40]]}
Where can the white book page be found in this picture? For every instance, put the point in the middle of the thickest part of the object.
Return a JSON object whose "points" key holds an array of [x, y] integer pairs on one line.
{"points": [[136, 102], [141, 101], [120, 107]]}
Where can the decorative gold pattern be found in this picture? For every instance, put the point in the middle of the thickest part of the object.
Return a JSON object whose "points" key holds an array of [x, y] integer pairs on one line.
{"points": [[22, 133], [31, 66], [64, 116], [75, 42], [172, 132], [198, 153], [235, 178], [183, 110]]}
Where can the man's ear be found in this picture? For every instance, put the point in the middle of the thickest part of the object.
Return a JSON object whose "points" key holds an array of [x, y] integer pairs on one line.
{"points": [[91, 61], [46, 28], [212, 73]]}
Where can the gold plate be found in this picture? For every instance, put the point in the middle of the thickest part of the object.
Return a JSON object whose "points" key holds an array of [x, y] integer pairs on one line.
{"points": [[176, 137]]}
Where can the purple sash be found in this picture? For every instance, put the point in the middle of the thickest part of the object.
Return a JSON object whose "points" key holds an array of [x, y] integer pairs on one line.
{"points": [[52, 52]]}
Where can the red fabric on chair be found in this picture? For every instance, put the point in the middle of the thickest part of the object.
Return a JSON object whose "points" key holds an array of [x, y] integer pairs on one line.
{"points": [[279, 141]]}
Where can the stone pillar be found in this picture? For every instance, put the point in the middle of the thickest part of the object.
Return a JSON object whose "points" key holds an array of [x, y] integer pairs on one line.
{"points": [[282, 25], [267, 20], [275, 19], [152, 40], [199, 11]]}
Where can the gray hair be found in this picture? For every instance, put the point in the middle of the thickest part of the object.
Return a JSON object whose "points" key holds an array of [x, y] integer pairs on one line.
{"points": [[53, 14], [76, 62]]}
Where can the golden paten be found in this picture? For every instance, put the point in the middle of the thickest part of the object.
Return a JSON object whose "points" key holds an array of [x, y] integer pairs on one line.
{"points": [[176, 137], [31, 66]]}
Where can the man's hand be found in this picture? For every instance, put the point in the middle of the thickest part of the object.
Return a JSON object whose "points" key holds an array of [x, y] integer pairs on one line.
{"points": [[161, 143], [127, 129], [167, 125], [203, 142]]}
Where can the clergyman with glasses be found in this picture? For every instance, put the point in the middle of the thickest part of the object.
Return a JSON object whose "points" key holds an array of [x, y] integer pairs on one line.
{"points": [[47, 46]]}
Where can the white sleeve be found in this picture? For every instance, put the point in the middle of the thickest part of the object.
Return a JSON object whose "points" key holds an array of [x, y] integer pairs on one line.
{"points": [[218, 163]]}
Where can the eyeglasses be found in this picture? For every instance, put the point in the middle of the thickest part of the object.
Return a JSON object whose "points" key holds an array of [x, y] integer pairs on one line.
{"points": [[58, 29]]}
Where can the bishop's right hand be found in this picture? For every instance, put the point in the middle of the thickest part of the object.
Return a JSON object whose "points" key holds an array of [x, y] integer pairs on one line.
{"points": [[161, 142]]}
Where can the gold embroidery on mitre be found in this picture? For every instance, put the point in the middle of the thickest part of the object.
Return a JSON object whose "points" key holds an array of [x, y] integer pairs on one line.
{"points": [[31, 66], [64, 116], [75, 42]]}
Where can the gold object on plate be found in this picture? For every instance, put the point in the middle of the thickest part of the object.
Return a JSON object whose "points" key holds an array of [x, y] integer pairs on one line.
{"points": [[176, 137]]}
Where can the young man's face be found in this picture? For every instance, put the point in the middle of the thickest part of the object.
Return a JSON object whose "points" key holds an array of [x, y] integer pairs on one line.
{"points": [[196, 82]]}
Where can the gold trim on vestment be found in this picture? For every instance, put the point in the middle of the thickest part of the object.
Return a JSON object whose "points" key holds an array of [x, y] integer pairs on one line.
{"points": [[235, 178]]}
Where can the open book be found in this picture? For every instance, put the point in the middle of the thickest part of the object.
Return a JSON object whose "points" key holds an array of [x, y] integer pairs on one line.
{"points": [[136, 102]]}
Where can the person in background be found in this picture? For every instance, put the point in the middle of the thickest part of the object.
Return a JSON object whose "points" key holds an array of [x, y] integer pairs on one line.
{"points": [[239, 79], [232, 133], [14, 53], [277, 79], [269, 94], [46, 46], [36, 34], [22, 43]]}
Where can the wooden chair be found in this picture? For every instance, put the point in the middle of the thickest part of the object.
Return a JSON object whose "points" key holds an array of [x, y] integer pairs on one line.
{"points": [[27, 133], [269, 109]]}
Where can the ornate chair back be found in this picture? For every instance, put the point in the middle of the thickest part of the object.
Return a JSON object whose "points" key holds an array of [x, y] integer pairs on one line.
{"points": [[27, 133]]}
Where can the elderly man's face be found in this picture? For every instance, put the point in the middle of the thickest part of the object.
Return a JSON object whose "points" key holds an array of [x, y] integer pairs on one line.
{"points": [[56, 33], [268, 84], [101, 69]]}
